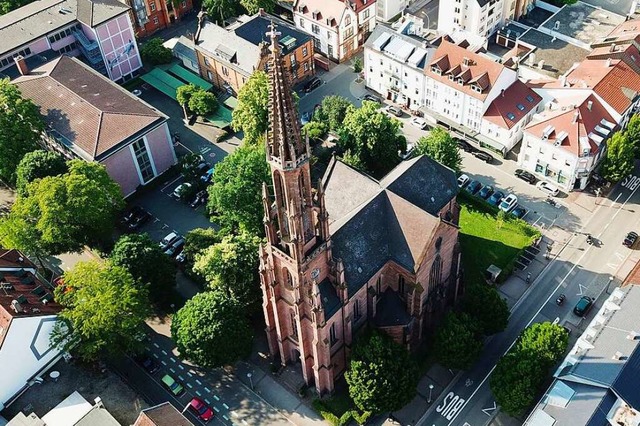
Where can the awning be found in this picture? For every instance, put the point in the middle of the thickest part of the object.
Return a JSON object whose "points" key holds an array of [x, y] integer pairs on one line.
{"points": [[231, 102], [220, 118], [189, 77], [162, 81]]}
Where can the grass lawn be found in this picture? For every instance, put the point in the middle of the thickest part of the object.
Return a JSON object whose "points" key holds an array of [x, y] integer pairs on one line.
{"points": [[484, 241]]}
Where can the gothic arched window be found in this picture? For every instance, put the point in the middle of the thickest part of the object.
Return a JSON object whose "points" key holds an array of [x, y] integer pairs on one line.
{"points": [[435, 274], [287, 279]]}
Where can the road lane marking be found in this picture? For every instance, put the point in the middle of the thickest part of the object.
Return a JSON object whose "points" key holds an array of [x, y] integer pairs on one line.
{"points": [[225, 406], [216, 397], [190, 385], [198, 393], [163, 363], [172, 359], [216, 409], [156, 345], [172, 370], [181, 378], [225, 417], [189, 374], [199, 382], [206, 389], [156, 356], [168, 185], [488, 410], [164, 352], [207, 401], [180, 367]]}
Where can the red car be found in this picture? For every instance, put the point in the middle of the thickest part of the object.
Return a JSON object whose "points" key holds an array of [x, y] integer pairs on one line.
{"points": [[200, 409]]}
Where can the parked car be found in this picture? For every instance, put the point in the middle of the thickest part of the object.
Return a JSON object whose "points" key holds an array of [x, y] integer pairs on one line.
{"points": [[136, 217], [180, 258], [420, 123], [519, 212], [200, 409], [394, 110], [168, 240], [463, 180], [473, 187], [305, 118], [312, 84], [525, 176], [200, 198], [481, 155], [147, 363], [464, 145], [630, 239], [547, 188], [208, 175], [175, 247], [174, 386], [181, 190], [495, 198], [485, 192], [408, 153], [371, 98], [583, 306], [508, 203]]}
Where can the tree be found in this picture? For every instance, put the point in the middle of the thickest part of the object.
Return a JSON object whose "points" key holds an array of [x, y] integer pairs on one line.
{"points": [[21, 128], [103, 310], [154, 53], [515, 382], [183, 96], [148, 265], [486, 306], [211, 330], [7, 6], [231, 266], [332, 112], [546, 340], [440, 146], [64, 213], [219, 10], [373, 137], [197, 240], [633, 133], [315, 130], [37, 165], [253, 6], [203, 103], [353, 161], [250, 116], [619, 159], [381, 375], [236, 192], [357, 64], [457, 342]]}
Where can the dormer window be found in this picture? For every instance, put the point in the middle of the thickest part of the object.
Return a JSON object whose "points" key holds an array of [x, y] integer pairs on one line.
{"points": [[511, 116], [476, 88], [436, 70], [451, 77], [460, 81]]}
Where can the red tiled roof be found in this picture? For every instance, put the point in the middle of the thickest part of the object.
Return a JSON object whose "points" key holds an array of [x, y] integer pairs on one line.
{"points": [[512, 105], [589, 114], [450, 58], [162, 415]]}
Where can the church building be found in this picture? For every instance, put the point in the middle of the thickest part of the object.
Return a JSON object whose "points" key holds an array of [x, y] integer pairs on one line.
{"points": [[350, 252]]}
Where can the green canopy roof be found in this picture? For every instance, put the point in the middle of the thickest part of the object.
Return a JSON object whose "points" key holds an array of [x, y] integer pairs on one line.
{"points": [[162, 81], [188, 76], [220, 118]]}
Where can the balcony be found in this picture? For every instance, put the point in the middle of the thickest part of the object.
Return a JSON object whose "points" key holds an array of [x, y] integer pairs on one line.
{"points": [[90, 50]]}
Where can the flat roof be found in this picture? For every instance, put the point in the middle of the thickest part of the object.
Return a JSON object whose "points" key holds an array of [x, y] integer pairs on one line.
{"points": [[68, 412], [583, 22], [620, 7], [558, 55]]}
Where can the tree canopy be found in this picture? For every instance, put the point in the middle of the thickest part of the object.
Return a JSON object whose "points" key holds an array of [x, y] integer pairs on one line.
{"points": [[211, 330], [37, 165], [381, 375], [458, 342], [250, 116], [440, 146], [197, 240], [252, 6], [21, 128], [154, 53], [7, 6], [332, 112], [148, 265], [546, 340], [203, 103], [104, 310], [619, 158], [219, 10], [373, 137], [632, 132], [485, 304], [64, 213], [236, 192]]}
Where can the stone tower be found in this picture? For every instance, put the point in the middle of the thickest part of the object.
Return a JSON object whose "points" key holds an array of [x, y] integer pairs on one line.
{"points": [[296, 258]]}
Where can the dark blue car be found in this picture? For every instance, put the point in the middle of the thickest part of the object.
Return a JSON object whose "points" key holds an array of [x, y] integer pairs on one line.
{"points": [[519, 212], [495, 199], [485, 192], [473, 187]]}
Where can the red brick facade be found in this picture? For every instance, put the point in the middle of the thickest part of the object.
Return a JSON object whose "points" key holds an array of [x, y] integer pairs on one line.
{"points": [[160, 15]]}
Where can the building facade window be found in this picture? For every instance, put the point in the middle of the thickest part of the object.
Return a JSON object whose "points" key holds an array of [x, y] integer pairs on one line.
{"points": [[306, 66], [356, 310], [152, 6], [225, 71], [365, 14], [378, 285], [347, 21], [143, 160], [332, 334], [315, 29], [155, 20], [401, 285], [304, 52], [294, 326]]}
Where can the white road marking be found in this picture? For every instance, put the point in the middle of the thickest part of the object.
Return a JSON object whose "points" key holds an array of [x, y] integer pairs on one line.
{"points": [[216, 398], [207, 401], [172, 370], [164, 352], [180, 367], [581, 289], [190, 385], [156, 356], [225, 417], [181, 378], [216, 409], [163, 363], [189, 374], [198, 393], [169, 184], [199, 382], [172, 359], [225, 406], [488, 410], [206, 389], [156, 345]]}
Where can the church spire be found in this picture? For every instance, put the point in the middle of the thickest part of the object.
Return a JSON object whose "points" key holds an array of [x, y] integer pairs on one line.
{"points": [[285, 147]]}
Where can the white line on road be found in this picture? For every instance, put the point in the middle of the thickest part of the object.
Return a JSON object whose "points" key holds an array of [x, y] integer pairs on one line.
{"points": [[189, 374], [162, 190], [199, 382], [164, 352], [172, 359], [206, 389], [198, 393], [163, 363], [156, 345], [225, 417], [156, 356], [185, 147], [216, 397], [181, 378], [216, 409], [172, 370], [180, 367], [190, 385], [207, 401], [225, 406]]}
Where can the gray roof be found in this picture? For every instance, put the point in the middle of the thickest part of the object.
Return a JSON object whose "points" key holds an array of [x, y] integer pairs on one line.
{"points": [[185, 47], [620, 7], [558, 55], [400, 47], [228, 47], [96, 12], [98, 416], [391, 310], [254, 30], [330, 300]]}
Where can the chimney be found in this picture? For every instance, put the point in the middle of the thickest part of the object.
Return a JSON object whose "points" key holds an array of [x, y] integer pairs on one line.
{"points": [[563, 81], [502, 93], [575, 117], [589, 105], [612, 48], [261, 12], [15, 305], [201, 15], [541, 64], [608, 62], [21, 63], [466, 61]]}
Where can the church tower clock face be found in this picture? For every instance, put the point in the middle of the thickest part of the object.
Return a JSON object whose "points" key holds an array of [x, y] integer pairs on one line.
{"points": [[315, 273]]}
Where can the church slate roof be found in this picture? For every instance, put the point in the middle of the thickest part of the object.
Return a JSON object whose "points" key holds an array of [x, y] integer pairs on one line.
{"points": [[391, 310]]}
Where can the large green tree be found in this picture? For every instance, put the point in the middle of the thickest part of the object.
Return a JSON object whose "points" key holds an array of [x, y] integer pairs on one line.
{"points": [[252, 6], [633, 133], [211, 330], [154, 53], [232, 267], [183, 96], [332, 111], [619, 158], [235, 195], [203, 103], [104, 310], [148, 265], [440, 146], [458, 342], [250, 116], [7, 6], [64, 213], [373, 137], [485, 304], [546, 340], [516, 381], [37, 165], [198, 240], [381, 375], [220, 10], [21, 128]]}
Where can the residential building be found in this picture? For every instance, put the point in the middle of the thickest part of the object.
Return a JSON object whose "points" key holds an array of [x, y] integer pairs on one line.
{"points": [[92, 118], [184, 49], [480, 17], [27, 316], [228, 56], [597, 383], [74, 410], [565, 143], [394, 66], [149, 16], [348, 254], [163, 414], [389, 9], [100, 31], [339, 27]]}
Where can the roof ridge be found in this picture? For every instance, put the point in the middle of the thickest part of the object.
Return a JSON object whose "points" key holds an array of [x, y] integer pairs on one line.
{"points": [[137, 114], [97, 139], [59, 60]]}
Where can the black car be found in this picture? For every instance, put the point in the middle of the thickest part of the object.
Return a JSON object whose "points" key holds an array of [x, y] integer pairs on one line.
{"points": [[481, 155], [371, 98], [473, 187], [485, 192], [200, 198], [147, 363], [464, 145], [526, 176], [583, 306], [136, 217], [630, 239], [519, 212], [312, 84]]}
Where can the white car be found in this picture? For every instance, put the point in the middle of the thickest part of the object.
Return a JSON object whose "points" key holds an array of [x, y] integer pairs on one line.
{"points": [[168, 240], [408, 153], [547, 188], [508, 203], [179, 191], [419, 123], [463, 180]]}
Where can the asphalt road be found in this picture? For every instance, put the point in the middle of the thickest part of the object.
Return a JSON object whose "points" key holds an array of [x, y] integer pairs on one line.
{"points": [[580, 269]]}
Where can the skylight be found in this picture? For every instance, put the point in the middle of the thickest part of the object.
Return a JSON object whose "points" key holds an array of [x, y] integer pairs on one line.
{"points": [[521, 107], [530, 98], [511, 116]]}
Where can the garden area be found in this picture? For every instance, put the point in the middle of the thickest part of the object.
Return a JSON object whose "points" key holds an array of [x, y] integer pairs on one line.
{"points": [[489, 238]]}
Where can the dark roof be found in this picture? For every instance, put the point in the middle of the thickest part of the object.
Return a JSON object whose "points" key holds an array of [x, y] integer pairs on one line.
{"points": [[626, 384], [330, 299], [391, 310], [95, 12], [14, 259], [255, 30]]}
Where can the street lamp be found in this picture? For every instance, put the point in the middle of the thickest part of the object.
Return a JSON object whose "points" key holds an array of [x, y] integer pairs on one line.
{"points": [[249, 376], [608, 284], [430, 391]]}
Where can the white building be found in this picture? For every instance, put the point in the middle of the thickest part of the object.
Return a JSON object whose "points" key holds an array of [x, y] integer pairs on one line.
{"points": [[394, 66], [480, 17], [339, 27], [27, 316], [387, 9]]}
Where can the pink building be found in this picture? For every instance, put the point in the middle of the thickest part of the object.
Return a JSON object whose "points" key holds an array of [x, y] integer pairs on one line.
{"points": [[92, 118], [100, 31]]}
